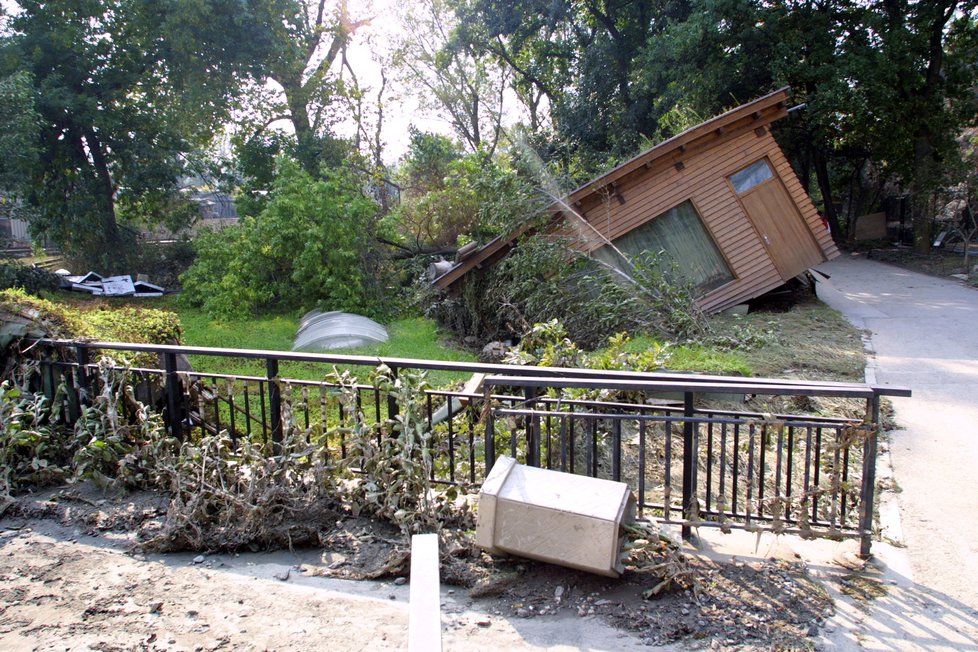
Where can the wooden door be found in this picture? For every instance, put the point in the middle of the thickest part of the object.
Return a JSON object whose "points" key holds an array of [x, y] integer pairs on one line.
{"points": [[782, 229]]}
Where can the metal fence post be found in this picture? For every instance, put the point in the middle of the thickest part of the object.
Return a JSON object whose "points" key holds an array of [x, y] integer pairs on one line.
{"points": [[274, 403], [689, 461], [78, 384], [490, 448], [82, 357], [172, 395], [868, 494], [532, 428], [392, 407], [616, 450]]}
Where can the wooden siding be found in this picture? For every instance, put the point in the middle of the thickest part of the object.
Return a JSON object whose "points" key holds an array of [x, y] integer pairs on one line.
{"points": [[693, 166], [703, 180]]}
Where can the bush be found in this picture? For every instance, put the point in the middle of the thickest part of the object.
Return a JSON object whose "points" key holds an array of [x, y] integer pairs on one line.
{"points": [[310, 247], [93, 321], [53, 319], [543, 280], [31, 279], [163, 262], [140, 325]]}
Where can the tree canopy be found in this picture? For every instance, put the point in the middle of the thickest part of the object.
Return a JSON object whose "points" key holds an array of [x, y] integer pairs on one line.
{"points": [[106, 103], [125, 91]]}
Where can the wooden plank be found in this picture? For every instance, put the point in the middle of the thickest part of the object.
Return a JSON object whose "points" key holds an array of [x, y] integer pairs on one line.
{"points": [[705, 135], [424, 626], [656, 194]]}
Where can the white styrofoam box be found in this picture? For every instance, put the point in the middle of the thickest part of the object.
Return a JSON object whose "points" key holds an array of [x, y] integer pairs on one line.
{"points": [[560, 518]]}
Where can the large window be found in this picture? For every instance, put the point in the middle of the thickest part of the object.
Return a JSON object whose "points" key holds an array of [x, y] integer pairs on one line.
{"points": [[680, 236]]}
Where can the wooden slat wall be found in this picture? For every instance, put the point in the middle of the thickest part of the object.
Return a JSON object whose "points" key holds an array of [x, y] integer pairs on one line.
{"points": [[703, 180], [804, 203]]}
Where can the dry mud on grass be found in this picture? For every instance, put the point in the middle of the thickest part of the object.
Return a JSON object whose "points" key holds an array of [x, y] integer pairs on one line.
{"points": [[70, 580]]}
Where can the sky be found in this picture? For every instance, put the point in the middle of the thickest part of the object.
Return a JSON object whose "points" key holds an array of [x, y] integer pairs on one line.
{"points": [[369, 46]]}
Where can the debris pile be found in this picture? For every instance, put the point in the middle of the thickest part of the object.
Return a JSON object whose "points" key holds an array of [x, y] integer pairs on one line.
{"points": [[109, 286]]}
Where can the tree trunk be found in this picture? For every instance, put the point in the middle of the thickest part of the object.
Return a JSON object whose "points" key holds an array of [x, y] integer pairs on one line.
{"points": [[307, 147], [921, 201], [828, 199]]}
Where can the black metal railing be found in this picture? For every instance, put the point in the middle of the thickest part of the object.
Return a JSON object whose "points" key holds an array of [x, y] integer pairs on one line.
{"points": [[689, 463]]}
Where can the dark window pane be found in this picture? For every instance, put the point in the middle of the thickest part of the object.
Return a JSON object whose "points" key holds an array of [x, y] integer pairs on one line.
{"points": [[680, 236]]}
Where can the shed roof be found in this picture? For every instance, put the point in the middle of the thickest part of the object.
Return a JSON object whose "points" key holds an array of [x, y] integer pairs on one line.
{"points": [[752, 115]]}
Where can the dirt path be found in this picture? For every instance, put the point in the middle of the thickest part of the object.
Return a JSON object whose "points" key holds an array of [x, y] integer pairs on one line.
{"points": [[61, 589], [72, 577], [924, 334]]}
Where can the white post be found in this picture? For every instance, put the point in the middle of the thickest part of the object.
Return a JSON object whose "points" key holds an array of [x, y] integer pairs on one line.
{"points": [[424, 628]]}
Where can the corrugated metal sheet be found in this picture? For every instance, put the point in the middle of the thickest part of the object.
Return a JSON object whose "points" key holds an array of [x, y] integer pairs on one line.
{"points": [[322, 331]]}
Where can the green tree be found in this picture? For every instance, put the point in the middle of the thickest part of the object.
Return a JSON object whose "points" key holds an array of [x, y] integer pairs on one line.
{"points": [[310, 247], [450, 198], [454, 75], [426, 164], [126, 91], [19, 154], [308, 42], [888, 84]]}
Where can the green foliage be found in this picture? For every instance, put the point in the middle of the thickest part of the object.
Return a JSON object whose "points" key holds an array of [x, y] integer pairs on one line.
{"points": [[54, 319], [129, 324], [547, 345], [19, 128], [250, 174], [395, 458], [119, 442], [126, 93], [162, 262], [28, 278], [426, 164], [542, 280], [309, 248], [888, 86], [126, 324], [32, 450], [92, 322], [476, 197]]}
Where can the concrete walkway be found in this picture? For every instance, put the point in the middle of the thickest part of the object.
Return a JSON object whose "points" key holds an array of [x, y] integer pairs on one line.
{"points": [[924, 334]]}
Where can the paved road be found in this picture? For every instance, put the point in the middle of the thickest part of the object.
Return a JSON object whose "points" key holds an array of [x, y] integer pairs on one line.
{"points": [[924, 331]]}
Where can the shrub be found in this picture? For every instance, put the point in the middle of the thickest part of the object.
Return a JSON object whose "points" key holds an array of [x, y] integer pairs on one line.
{"points": [[45, 317], [93, 322], [310, 247], [544, 280], [31, 279], [129, 324], [31, 450]]}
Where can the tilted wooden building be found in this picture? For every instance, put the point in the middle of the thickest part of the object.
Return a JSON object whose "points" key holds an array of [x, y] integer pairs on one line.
{"points": [[721, 199]]}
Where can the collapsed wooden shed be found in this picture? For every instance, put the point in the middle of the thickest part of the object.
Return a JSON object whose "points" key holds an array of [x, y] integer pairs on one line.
{"points": [[720, 198]]}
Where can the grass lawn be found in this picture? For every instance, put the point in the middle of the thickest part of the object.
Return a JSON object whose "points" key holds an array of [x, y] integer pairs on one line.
{"points": [[409, 338], [809, 340]]}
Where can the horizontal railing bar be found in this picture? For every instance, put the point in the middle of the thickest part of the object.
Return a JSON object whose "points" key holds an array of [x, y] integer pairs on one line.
{"points": [[514, 412], [772, 388], [821, 421], [850, 530], [463, 367], [840, 531], [815, 421]]}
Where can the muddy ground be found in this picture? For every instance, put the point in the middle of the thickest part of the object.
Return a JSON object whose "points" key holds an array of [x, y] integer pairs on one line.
{"points": [[73, 576]]}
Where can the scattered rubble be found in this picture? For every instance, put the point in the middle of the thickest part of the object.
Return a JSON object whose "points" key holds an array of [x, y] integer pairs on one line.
{"points": [[757, 604], [109, 286]]}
